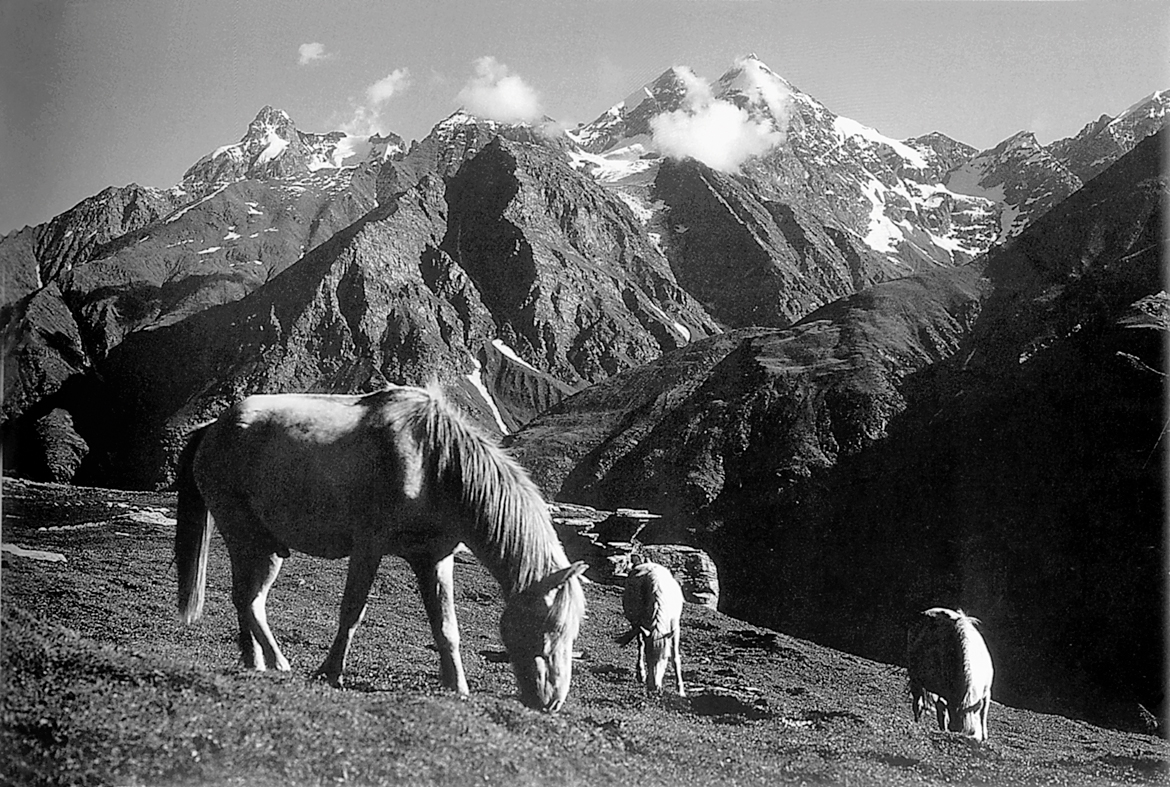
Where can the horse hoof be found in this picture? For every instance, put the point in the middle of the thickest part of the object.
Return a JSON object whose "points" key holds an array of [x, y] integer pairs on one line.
{"points": [[336, 681]]}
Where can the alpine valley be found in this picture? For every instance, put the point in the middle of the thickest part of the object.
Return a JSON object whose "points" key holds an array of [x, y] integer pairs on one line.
{"points": [[866, 375]]}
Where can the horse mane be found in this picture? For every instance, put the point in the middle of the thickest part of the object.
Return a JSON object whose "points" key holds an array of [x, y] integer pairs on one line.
{"points": [[974, 621], [510, 528]]}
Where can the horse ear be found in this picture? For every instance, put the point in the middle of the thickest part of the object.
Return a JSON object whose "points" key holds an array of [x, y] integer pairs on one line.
{"points": [[561, 576]]}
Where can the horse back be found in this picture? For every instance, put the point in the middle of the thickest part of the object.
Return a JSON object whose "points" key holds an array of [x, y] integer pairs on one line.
{"points": [[652, 599], [947, 656], [317, 471]]}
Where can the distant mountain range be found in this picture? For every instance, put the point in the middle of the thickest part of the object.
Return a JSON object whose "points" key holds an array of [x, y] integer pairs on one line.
{"points": [[556, 259]]}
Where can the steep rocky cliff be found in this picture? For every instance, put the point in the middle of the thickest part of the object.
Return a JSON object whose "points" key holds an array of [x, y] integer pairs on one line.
{"points": [[752, 258]]}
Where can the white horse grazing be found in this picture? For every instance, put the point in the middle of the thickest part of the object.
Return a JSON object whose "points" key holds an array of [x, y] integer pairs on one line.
{"points": [[949, 665], [394, 472], [653, 603]]}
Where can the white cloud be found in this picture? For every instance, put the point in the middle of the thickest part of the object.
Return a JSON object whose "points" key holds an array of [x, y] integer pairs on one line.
{"points": [[385, 88], [311, 52], [367, 116], [497, 94], [716, 132]]}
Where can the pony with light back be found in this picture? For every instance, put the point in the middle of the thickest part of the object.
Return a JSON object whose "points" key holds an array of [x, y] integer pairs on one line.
{"points": [[393, 472], [653, 602], [949, 666]]}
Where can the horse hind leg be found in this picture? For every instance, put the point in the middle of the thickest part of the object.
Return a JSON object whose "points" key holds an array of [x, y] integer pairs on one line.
{"points": [[676, 652], [917, 701], [640, 663], [255, 567]]}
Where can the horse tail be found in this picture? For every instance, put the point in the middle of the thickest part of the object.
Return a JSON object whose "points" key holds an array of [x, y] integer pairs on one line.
{"points": [[192, 533]]}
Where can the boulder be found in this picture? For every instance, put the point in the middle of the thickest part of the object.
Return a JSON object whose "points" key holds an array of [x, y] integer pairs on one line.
{"points": [[607, 542], [693, 568]]}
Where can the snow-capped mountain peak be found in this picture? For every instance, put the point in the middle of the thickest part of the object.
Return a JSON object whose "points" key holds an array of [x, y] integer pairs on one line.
{"points": [[273, 147], [755, 123], [750, 83]]}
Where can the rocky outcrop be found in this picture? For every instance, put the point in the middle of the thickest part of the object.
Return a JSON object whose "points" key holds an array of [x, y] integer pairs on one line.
{"points": [[941, 154], [42, 351], [453, 142], [693, 568], [609, 542]]}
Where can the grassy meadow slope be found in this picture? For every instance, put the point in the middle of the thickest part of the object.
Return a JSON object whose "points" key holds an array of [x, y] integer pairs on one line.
{"points": [[101, 685]]}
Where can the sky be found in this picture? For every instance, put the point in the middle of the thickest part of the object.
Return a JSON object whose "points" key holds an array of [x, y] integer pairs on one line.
{"points": [[110, 92]]}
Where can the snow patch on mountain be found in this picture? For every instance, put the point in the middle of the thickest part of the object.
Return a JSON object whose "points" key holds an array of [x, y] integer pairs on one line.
{"points": [[640, 211], [274, 145], [178, 214], [890, 193], [883, 234], [476, 380], [845, 128], [1152, 106], [678, 327], [614, 167], [511, 354]]}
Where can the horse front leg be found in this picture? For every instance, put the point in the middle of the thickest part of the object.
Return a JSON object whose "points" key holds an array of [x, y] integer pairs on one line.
{"points": [[940, 712], [436, 585], [363, 566]]}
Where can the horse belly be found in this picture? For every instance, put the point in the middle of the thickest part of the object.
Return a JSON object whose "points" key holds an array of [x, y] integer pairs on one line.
{"points": [[317, 490], [327, 521]]}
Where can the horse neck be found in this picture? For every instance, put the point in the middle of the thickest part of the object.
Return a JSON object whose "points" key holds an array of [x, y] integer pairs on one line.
{"points": [[508, 526], [518, 548], [505, 520]]}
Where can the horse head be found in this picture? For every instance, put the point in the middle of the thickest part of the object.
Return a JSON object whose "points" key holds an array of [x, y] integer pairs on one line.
{"points": [[538, 628]]}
